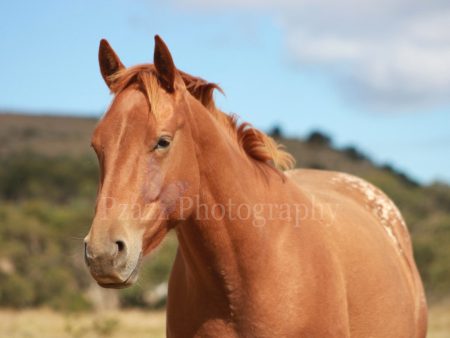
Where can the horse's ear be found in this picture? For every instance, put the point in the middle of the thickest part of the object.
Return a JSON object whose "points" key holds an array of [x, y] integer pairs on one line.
{"points": [[164, 64], [109, 61]]}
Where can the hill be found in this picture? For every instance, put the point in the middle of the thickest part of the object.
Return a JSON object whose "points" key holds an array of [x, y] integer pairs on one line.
{"points": [[48, 182]]}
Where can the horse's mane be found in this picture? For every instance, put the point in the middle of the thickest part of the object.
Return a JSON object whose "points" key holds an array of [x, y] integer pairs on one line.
{"points": [[255, 143]]}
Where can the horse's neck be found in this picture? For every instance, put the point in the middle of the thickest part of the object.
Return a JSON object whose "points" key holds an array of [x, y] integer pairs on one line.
{"points": [[221, 235]]}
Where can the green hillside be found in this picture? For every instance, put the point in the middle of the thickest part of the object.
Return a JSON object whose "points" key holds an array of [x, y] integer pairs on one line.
{"points": [[48, 182]]}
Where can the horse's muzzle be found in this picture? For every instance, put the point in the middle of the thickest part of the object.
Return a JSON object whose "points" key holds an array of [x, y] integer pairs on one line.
{"points": [[110, 263]]}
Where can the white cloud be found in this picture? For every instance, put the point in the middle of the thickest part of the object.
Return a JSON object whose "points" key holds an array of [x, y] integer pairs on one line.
{"points": [[391, 53]]}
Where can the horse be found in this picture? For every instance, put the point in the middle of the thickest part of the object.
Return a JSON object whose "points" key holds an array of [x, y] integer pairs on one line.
{"points": [[265, 250]]}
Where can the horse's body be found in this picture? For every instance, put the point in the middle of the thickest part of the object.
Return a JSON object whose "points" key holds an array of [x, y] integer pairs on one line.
{"points": [[341, 267], [261, 253]]}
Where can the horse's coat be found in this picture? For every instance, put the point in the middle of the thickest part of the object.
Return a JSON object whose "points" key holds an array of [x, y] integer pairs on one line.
{"points": [[341, 267]]}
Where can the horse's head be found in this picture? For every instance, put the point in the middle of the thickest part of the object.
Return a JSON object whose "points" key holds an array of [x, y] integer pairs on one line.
{"points": [[147, 164]]}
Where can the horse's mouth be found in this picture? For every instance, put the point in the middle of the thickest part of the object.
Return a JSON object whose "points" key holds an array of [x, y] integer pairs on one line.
{"points": [[132, 278], [115, 285]]}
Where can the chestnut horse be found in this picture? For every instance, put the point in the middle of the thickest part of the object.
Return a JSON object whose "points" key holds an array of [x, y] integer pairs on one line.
{"points": [[263, 252]]}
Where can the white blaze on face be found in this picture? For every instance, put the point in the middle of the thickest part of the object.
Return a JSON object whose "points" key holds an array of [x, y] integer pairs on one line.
{"points": [[377, 202]]}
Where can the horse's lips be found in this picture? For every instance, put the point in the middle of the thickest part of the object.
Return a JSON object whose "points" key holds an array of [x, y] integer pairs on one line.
{"points": [[131, 279]]}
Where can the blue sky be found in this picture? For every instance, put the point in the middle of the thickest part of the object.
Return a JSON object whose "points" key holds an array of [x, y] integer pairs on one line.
{"points": [[385, 90]]}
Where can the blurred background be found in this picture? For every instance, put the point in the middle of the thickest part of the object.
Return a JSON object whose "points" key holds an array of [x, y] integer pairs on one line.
{"points": [[356, 86]]}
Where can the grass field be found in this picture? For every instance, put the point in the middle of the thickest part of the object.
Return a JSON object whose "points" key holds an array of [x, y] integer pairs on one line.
{"points": [[130, 324], [50, 324]]}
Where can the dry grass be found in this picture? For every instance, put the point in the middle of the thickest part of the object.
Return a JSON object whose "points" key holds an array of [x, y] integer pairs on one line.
{"points": [[49, 324], [130, 324], [439, 321]]}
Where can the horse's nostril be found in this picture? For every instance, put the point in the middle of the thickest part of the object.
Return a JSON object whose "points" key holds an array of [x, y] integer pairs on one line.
{"points": [[120, 246], [86, 254]]}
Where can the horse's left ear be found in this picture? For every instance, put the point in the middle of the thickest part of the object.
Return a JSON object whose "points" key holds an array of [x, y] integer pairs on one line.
{"points": [[164, 65]]}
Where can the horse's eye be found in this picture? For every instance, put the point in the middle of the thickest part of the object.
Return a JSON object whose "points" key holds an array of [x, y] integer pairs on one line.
{"points": [[163, 143]]}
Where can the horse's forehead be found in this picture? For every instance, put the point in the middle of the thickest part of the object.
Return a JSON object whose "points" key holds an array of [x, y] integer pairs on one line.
{"points": [[130, 107], [130, 101]]}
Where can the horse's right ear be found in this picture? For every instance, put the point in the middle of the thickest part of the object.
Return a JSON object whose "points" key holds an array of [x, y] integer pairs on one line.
{"points": [[109, 61]]}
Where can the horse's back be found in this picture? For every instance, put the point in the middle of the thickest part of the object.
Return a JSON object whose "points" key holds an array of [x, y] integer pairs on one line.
{"points": [[366, 229]]}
